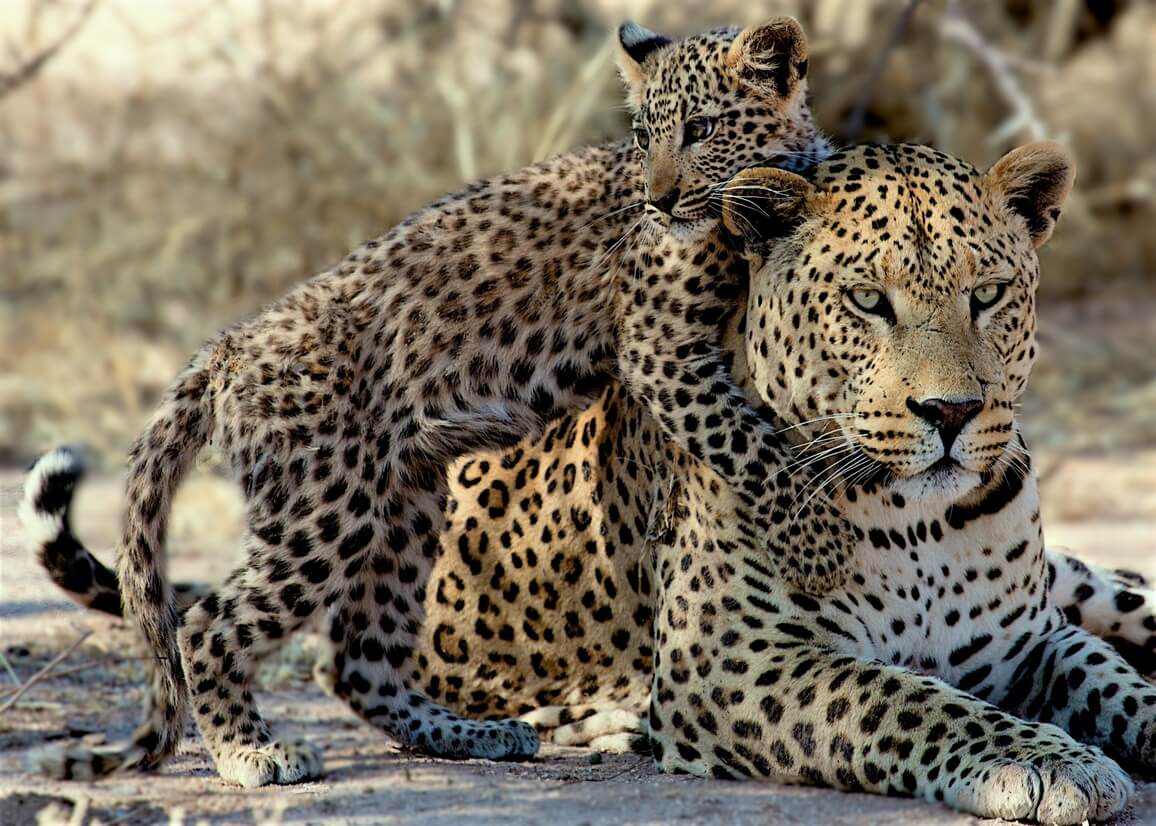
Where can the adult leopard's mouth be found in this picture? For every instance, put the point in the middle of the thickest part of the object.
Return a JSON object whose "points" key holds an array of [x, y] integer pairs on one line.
{"points": [[946, 479], [944, 466]]}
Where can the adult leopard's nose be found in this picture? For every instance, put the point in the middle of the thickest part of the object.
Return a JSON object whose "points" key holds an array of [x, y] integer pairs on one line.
{"points": [[949, 417]]}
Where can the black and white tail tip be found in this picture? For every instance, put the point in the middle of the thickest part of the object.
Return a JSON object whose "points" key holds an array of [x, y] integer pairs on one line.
{"points": [[48, 491]]}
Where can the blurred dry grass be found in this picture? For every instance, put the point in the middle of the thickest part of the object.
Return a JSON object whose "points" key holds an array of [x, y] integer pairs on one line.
{"points": [[235, 147]]}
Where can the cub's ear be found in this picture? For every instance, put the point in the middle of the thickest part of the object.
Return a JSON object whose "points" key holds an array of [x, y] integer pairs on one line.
{"points": [[633, 45], [1035, 179], [763, 204], [772, 56]]}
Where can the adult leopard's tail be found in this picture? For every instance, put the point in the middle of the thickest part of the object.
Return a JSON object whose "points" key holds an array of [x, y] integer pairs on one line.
{"points": [[158, 462], [45, 514], [1118, 606]]}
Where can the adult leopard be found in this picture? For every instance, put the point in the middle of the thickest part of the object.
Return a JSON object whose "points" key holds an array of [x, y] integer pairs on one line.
{"points": [[891, 321], [470, 325]]}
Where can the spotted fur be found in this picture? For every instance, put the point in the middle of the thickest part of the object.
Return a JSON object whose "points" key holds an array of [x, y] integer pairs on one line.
{"points": [[475, 322], [943, 669], [544, 600]]}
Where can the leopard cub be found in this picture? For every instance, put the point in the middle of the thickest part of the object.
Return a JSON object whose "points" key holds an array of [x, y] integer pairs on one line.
{"points": [[471, 325]]}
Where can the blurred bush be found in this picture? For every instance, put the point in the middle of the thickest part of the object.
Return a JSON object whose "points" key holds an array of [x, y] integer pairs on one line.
{"points": [[172, 166]]}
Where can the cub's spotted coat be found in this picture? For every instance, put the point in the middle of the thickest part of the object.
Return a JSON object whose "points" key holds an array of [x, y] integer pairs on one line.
{"points": [[472, 324]]}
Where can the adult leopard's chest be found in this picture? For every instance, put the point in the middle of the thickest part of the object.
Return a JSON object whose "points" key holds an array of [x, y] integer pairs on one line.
{"points": [[947, 590]]}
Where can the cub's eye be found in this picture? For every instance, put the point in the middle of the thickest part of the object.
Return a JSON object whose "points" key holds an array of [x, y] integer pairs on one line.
{"points": [[986, 296], [641, 137], [871, 301], [697, 130]]}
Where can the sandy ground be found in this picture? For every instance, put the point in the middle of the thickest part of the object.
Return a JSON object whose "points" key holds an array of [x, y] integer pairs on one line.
{"points": [[1104, 505]]}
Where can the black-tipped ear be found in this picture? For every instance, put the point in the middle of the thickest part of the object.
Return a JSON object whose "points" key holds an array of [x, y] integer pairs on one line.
{"points": [[633, 45], [1036, 180], [764, 204], [638, 42], [772, 56]]}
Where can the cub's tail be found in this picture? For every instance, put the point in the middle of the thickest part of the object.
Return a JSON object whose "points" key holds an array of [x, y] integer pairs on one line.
{"points": [[158, 462], [45, 514]]}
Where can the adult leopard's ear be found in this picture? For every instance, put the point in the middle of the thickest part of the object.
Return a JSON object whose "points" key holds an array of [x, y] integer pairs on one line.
{"points": [[763, 204], [1035, 179], [634, 44], [771, 57]]}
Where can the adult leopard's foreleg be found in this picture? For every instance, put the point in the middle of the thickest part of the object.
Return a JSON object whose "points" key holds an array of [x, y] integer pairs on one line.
{"points": [[772, 704], [800, 714], [1083, 685], [747, 684]]}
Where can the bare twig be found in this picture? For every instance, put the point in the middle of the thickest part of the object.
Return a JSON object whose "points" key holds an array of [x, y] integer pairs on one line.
{"points": [[44, 672], [574, 104], [1061, 28], [76, 669], [57, 814], [853, 127], [957, 29], [8, 670], [29, 67], [1138, 189]]}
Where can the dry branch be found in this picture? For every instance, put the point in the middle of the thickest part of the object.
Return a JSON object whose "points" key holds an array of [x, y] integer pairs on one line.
{"points": [[30, 66], [44, 672], [957, 29]]}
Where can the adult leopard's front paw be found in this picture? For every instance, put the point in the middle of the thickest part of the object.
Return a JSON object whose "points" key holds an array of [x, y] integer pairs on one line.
{"points": [[1068, 786]]}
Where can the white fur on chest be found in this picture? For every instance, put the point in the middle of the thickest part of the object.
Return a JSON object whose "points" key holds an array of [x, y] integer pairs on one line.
{"points": [[927, 591]]}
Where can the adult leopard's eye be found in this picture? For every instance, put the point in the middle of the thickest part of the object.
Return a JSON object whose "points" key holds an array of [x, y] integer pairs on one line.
{"points": [[986, 296], [697, 130], [870, 301], [641, 137]]}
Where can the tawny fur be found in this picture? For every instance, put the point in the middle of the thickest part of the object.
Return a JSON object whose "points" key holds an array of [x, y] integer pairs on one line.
{"points": [[544, 600], [472, 324]]}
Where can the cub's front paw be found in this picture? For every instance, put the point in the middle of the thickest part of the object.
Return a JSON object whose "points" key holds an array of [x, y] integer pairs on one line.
{"points": [[812, 546]]}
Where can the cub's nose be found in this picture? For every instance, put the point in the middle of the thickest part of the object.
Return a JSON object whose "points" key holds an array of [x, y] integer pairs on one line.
{"points": [[665, 201], [948, 417]]}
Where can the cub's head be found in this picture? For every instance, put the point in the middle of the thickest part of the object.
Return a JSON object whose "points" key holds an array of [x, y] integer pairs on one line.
{"points": [[892, 306], [710, 105]]}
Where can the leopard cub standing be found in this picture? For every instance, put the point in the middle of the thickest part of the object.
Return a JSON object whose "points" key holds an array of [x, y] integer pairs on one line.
{"points": [[470, 325]]}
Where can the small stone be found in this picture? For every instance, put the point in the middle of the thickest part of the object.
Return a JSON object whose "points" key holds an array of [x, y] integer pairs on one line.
{"points": [[596, 759]]}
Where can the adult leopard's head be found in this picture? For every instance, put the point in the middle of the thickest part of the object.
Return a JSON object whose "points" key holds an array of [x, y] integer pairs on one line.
{"points": [[710, 105], [892, 306]]}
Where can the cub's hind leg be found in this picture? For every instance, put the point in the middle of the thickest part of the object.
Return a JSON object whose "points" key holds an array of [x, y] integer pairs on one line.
{"points": [[224, 638], [379, 580]]}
